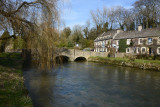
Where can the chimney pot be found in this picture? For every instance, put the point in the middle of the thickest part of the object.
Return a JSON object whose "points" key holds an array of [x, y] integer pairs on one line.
{"points": [[140, 28]]}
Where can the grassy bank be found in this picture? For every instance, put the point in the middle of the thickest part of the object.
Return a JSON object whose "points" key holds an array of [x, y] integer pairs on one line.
{"points": [[12, 90], [137, 63]]}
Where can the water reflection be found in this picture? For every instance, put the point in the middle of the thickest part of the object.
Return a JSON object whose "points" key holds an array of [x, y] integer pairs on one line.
{"points": [[93, 85]]}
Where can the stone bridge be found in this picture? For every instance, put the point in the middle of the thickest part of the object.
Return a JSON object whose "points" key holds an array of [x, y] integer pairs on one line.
{"points": [[74, 54]]}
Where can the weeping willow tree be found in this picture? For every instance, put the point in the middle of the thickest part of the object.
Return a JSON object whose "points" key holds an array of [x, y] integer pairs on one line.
{"points": [[35, 21]]}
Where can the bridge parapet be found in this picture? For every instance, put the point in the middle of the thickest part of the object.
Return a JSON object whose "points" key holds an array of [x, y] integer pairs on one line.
{"points": [[73, 54]]}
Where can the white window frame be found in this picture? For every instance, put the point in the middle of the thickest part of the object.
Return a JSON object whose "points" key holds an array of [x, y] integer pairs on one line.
{"points": [[159, 39], [144, 48], [128, 41], [150, 42], [158, 52], [127, 50], [137, 49], [106, 41], [103, 42], [106, 50], [103, 49], [117, 42], [139, 40]]}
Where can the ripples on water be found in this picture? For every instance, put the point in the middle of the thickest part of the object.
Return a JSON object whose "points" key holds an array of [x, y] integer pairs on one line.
{"points": [[93, 85]]}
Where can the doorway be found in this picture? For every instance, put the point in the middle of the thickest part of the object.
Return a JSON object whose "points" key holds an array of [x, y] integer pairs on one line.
{"points": [[150, 51]]}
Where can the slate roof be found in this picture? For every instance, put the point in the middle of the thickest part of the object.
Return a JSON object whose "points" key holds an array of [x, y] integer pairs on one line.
{"points": [[152, 32], [106, 35]]}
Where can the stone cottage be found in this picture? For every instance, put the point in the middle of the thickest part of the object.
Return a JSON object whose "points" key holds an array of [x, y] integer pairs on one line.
{"points": [[106, 40], [144, 41]]}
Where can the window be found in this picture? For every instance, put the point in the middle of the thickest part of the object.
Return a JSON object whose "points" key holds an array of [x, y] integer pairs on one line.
{"points": [[117, 42], [127, 50], [103, 49], [103, 44], [128, 41], [140, 41], [106, 50], [158, 50], [143, 49], [158, 39], [138, 50], [150, 41], [106, 41]]}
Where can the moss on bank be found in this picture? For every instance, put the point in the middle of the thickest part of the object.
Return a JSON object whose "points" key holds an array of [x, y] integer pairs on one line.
{"points": [[138, 63], [12, 90]]}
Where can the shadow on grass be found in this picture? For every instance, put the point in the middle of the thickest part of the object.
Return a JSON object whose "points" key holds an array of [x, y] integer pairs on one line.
{"points": [[11, 60], [12, 90]]}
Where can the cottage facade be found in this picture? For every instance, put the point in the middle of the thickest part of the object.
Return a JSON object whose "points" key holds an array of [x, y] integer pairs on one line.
{"points": [[105, 41], [144, 41]]}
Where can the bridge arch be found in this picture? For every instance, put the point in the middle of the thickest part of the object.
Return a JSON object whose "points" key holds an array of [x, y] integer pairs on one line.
{"points": [[62, 59], [80, 59]]}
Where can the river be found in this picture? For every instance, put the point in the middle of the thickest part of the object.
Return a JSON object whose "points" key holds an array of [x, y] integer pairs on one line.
{"points": [[93, 85]]}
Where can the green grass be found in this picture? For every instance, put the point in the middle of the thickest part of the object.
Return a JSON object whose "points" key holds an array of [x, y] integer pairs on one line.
{"points": [[127, 60], [12, 90], [147, 61]]}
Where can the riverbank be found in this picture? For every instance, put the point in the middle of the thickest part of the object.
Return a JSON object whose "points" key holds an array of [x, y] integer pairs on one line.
{"points": [[137, 63], [12, 90]]}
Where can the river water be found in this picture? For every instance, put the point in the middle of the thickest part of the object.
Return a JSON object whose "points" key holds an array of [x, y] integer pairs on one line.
{"points": [[93, 85]]}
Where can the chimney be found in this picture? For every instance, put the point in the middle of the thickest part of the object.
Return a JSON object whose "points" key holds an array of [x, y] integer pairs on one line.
{"points": [[139, 27], [119, 31]]}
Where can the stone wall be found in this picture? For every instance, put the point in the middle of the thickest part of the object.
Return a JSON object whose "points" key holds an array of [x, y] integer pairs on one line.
{"points": [[73, 54], [120, 55]]}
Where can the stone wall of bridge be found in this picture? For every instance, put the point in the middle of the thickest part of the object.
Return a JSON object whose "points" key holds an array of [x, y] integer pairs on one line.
{"points": [[73, 54]]}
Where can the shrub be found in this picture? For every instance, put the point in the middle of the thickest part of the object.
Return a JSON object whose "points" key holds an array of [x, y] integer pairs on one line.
{"points": [[157, 57], [70, 44], [144, 56], [122, 45], [112, 52]]}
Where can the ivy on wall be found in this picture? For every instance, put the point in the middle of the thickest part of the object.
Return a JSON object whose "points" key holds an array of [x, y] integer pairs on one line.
{"points": [[122, 45]]}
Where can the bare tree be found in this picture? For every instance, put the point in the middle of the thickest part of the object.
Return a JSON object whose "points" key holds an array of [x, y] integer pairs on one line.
{"points": [[147, 12], [111, 17]]}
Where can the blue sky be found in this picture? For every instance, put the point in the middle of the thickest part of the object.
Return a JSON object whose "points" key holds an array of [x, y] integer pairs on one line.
{"points": [[78, 11]]}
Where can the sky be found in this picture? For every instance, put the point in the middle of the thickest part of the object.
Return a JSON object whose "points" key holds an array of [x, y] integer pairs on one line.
{"points": [[77, 12]]}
